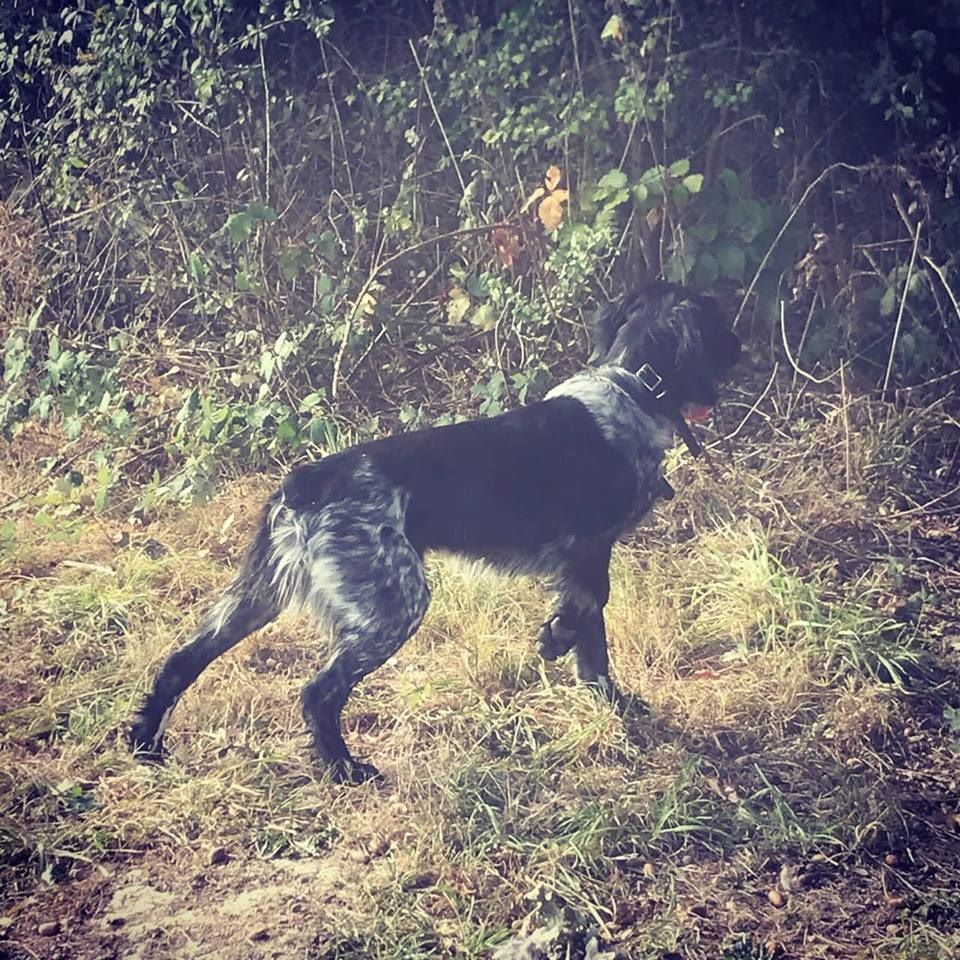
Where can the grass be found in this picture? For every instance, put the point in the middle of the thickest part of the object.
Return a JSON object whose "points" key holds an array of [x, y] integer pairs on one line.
{"points": [[792, 790]]}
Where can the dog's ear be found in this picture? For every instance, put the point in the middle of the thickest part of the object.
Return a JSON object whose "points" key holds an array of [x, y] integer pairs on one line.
{"points": [[603, 329], [645, 304]]}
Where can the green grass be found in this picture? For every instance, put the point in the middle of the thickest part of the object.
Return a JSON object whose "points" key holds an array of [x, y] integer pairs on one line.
{"points": [[795, 722]]}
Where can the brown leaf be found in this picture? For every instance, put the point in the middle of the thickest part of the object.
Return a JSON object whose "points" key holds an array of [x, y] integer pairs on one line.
{"points": [[507, 243], [550, 210], [532, 199], [553, 176]]}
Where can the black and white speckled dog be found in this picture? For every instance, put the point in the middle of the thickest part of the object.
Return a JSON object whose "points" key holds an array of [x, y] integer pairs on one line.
{"points": [[545, 489]]}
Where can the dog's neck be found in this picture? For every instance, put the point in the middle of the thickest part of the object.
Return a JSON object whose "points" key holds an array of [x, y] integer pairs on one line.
{"points": [[644, 387]]}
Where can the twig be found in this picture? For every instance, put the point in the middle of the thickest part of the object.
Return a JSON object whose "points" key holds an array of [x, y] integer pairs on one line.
{"points": [[793, 363], [573, 38], [786, 224], [752, 410], [266, 124], [377, 269], [436, 115], [336, 114], [846, 427], [903, 303]]}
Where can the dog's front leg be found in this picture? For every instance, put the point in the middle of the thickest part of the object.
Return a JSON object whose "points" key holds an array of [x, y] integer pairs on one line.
{"points": [[576, 622]]}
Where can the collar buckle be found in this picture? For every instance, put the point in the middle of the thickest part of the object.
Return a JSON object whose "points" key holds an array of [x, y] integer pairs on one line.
{"points": [[651, 380]]}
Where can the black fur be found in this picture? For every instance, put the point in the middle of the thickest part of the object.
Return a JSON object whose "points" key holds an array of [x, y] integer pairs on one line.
{"points": [[544, 489]]}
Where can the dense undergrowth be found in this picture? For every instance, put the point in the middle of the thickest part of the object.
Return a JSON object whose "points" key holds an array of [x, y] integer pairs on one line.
{"points": [[230, 232]]}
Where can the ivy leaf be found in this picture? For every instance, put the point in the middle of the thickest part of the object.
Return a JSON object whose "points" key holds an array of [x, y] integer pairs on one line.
{"points": [[613, 30], [705, 270], [732, 261]]}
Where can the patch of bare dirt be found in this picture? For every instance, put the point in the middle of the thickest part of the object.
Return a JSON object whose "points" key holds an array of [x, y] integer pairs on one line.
{"points": [[233, 910]]}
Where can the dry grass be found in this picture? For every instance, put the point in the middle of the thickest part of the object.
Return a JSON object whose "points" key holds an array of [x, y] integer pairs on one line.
{"points": [[790, 620]]}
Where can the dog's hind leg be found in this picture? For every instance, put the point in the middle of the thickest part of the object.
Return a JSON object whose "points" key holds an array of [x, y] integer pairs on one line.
{"points": [[250, 602], [372, 586]]}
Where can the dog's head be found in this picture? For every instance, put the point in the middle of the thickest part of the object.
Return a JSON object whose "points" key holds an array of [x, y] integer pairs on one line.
{"points": [[680, 335]]}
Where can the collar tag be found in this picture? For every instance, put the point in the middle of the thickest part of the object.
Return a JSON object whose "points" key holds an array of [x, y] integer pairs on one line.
{"points": [[651, 380]]}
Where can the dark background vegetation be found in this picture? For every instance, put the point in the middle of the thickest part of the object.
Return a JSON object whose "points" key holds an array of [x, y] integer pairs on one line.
{"points": [[231, 231]]}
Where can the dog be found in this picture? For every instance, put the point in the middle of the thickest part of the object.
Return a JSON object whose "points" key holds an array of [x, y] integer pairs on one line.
{"points": [[545, 489]]}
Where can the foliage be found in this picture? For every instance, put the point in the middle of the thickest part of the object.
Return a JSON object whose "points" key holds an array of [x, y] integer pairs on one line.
{"points": [[236, 228]]}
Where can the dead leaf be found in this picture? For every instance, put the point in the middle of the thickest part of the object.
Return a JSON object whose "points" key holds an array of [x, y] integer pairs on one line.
{"points": [[459, 304], [707, 673], [776, 898], [507, 243], [553, 176], [550, 210], [532, 199], [653, 217], [613, 29]]}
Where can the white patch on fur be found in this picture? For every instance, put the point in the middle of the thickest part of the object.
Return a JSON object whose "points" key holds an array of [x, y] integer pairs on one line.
{"points": [[222, 609], [313, 550], [162, 725], [615, 411]]}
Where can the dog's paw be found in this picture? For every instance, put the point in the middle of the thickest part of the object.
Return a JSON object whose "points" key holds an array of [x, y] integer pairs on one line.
{"points": [[354, 772], [555, 639], [145, 746]]}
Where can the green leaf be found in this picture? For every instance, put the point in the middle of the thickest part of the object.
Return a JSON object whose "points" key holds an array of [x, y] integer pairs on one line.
{"points": [[640, 193], [198, 269], [888, 302], [705, 271], [287, 430], [731, 182], [748, 217], [260, 211], [732, 261], [694, 182], [680, 195], [679, 168], [267, 365], [610, 183], [484, 317], [705, 232], [239, 226]]}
